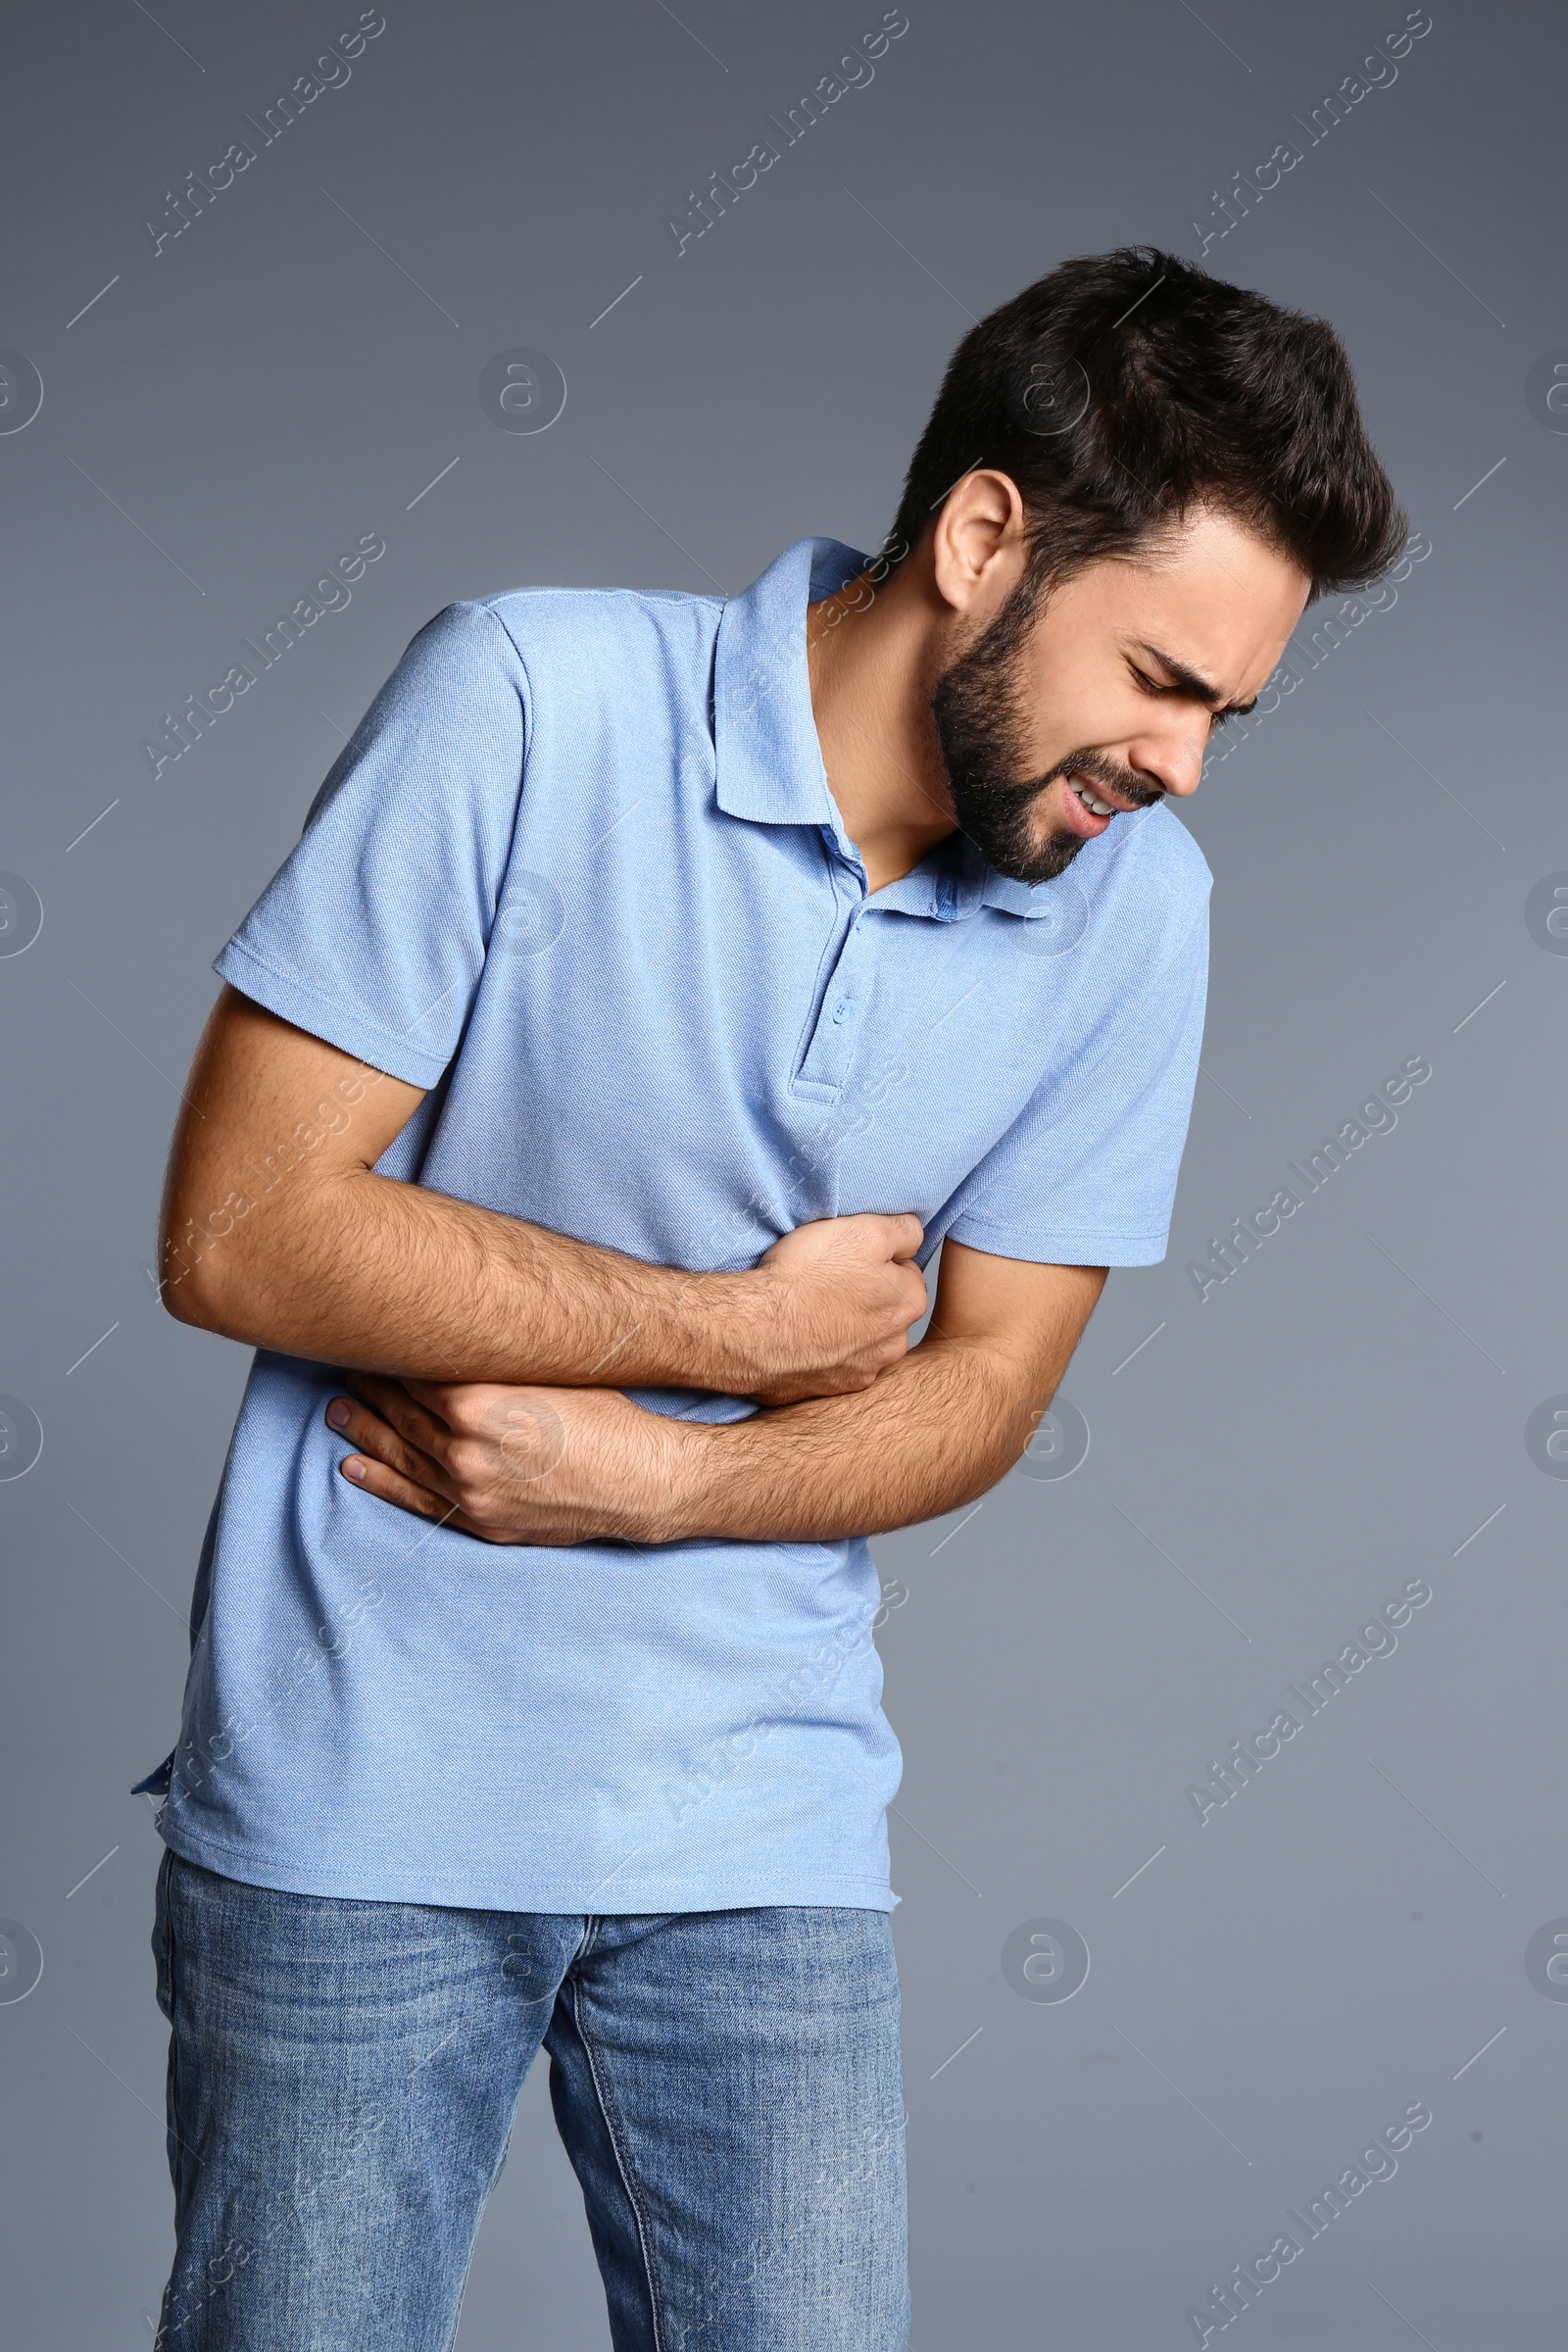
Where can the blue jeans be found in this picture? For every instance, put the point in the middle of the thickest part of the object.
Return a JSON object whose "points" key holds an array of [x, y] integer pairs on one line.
{"points": [[342, 2077]]}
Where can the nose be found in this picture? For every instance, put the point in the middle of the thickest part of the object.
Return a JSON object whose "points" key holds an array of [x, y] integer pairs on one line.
{"points": [[1174, 757]]}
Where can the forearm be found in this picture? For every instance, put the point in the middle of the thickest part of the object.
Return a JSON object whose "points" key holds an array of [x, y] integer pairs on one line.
{"points": [[277, 1230], [360, 1270], [936, 1429]]}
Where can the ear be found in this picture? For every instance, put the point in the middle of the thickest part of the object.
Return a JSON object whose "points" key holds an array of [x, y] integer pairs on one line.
{"points": [[978, 545]]}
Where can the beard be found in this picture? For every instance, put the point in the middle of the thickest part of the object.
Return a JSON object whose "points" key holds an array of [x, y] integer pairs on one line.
{"points": [[977, 709]]}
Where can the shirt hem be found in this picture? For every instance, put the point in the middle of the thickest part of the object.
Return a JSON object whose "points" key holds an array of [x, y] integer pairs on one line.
{"points": [[467, 1892], [1061, 1249], [321, 1017]]}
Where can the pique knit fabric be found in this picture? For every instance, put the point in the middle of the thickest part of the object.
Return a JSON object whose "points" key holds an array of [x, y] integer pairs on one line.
{"points": [[579, 874]]}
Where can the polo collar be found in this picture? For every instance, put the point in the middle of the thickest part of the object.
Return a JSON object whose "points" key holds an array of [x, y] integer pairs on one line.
{"points": [[768, 759]]}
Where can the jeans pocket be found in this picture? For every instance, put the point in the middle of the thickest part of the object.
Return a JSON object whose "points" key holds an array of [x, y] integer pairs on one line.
{"points": [[163, 1939], [165, 1955]]}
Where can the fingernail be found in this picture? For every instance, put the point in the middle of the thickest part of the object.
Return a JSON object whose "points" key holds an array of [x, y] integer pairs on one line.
{"points": [[338, 1413], [354, 1468]]}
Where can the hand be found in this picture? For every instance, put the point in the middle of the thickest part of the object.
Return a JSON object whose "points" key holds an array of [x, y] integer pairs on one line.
{"points": [[830, 1307], [512, 1465]]}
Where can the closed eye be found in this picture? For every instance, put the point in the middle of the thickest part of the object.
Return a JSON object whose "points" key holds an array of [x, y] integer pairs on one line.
{"points": [[1216, 718]]}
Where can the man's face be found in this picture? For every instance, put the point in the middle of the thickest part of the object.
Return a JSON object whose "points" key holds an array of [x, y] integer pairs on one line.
{"points": [[1110, 689]]}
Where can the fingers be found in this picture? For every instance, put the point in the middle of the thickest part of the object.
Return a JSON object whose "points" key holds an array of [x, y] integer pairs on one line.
{"points": [[435, 1396], [385, 1448], [896, 1233], [393, 1402], [387, 1485], [473, 1408], [461, 1481]]}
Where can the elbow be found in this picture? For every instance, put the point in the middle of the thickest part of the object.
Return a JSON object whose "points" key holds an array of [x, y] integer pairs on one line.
{"points": [[194, 1293], [203, 1267], [184, 1294]]}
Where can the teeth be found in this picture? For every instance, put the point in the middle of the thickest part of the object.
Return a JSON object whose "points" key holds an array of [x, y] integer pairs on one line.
{"points": [[1100, 808]]}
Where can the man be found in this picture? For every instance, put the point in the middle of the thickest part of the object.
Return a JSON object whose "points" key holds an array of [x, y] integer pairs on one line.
{"points": [[659, 981]]}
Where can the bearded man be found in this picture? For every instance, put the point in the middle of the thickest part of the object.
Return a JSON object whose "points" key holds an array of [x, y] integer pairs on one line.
{"points": [[660, 980]]}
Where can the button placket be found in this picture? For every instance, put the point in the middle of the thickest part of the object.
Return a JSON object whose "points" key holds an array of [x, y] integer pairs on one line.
{"points": [[831, 1051]]}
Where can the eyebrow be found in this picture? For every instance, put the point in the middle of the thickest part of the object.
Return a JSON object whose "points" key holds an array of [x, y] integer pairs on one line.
{"points": [[1190, 683]]}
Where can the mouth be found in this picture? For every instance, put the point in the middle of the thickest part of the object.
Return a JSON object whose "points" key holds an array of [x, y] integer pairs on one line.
{"points": [[1087, 810]]}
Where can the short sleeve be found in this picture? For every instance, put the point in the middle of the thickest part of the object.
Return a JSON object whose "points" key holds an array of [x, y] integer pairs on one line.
{"points": [[1085, 1175], [372, 933]]}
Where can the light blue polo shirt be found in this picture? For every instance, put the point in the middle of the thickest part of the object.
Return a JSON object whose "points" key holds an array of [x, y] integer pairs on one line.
{"points": [[579, 874]]}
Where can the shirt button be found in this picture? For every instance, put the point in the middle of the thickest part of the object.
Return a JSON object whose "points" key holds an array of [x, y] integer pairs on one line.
{"points": [[841, 1008]]}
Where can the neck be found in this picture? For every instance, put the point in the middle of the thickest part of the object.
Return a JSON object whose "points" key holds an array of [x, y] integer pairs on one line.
{"points": [[873, 654]]}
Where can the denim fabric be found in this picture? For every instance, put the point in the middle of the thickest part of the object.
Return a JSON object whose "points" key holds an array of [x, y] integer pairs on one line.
{"points": [[342, 2077]]}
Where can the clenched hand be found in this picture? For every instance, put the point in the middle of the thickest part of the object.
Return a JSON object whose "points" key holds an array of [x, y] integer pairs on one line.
{"points": [[830, 1306]]}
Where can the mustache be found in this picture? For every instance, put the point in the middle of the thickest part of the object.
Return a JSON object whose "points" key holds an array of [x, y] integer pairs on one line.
{"points": [[1096, 768]]}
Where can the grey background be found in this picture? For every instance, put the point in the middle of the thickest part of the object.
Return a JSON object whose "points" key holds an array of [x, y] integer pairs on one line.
{"points": [[1339, 1416]]}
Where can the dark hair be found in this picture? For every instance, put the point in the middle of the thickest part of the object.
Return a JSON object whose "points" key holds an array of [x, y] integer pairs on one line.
{"points": [[1126, 386]]}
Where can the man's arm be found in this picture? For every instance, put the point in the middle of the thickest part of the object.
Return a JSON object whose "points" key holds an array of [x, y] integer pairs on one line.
{"points": [[275, 1230], [938, 1428]]}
